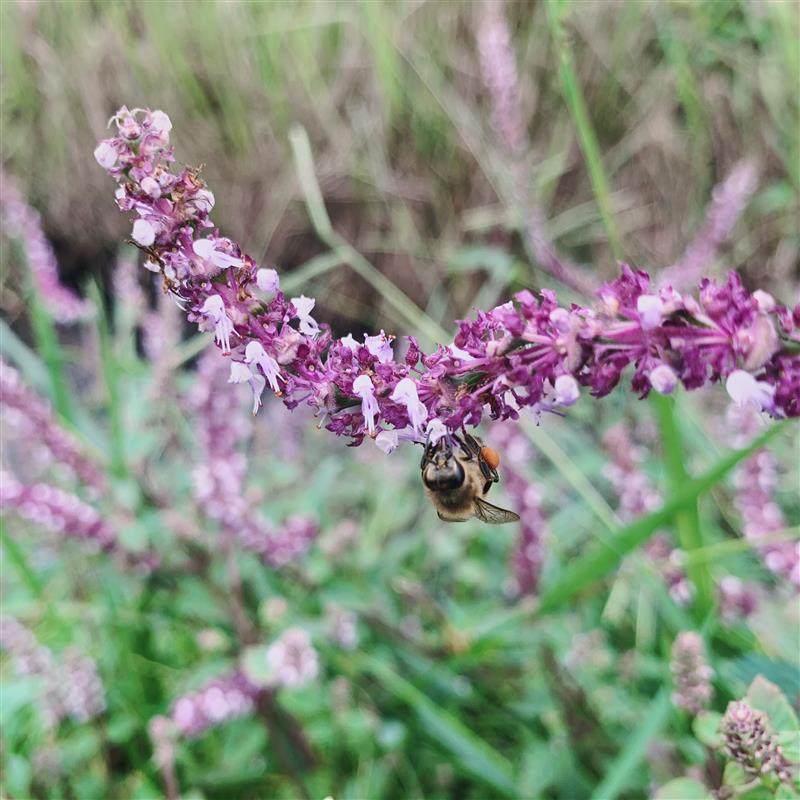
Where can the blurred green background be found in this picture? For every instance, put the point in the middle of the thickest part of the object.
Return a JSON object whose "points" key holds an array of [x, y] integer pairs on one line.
{"points": [[457, 689]]}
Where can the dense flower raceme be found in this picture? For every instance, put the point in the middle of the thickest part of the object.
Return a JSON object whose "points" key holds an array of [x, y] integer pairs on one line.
{"points": [[71, 688], [32, 418], [528, 353], [749, 742], [24, 224]]}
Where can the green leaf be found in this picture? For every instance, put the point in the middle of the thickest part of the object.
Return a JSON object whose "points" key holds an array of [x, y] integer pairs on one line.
{"points": [[767, 697], [630, 757], [605, 555], [687, 521], [17, 776], [256, 667], [706, 728], [784, 792], [734, 775], [682, 789], [474, 754]]}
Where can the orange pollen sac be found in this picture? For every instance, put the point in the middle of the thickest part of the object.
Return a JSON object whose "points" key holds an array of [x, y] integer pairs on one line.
{"points": [[490, 456]]}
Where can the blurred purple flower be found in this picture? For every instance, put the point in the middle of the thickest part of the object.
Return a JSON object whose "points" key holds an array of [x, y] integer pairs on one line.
{"points": [[292, 659], [24, 224], [220, 476], [755, 480], [707, 339], [57, 511], [71, 688], [225, 698], [33, 417], [527, 556], [691, 674], [728, 201]]}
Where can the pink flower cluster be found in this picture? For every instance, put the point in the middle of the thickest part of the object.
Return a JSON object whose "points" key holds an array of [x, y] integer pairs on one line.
{"points": [[56, 510], [225, 698], [512, 356], [691, 673], [24, 224]]}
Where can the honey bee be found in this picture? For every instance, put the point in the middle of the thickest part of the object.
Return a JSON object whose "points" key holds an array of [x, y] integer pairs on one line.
{"points": [[458, 473]]}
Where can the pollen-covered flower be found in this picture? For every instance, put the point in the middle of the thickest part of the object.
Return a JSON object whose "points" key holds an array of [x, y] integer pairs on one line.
{"points": [[690, 673]]}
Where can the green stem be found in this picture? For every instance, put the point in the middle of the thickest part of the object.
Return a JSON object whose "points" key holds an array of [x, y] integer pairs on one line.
{"points": [[687, 521], [576, 103]]}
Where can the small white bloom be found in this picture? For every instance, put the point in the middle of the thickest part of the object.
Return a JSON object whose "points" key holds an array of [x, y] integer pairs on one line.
{"points": [[143, 233], [405, 392], [567, 390], [380, 346], [457, 352], [745, 390], [204, 200], [105, 154], [151, 265], [151, 186], [241, 373], [267, 280], [435, 431], [651, 311], [663, 379], [214, 309], [161, 122], [254, 353], [764, 301], [386, 441], [206, 250], [364, 388], [304, 306], [350, 342]]}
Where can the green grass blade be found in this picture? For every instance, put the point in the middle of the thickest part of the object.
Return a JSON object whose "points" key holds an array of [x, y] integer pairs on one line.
{"points": [[406, 308], [687, 521], [111, 377], [47, 344], [605, 555], [576, 103], [15, 555], [474, 754], [629, 758]]}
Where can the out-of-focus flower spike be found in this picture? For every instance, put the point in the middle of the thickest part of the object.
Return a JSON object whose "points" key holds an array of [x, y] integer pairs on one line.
{"points": [[690, 673], [24, 224], [728, 201]]}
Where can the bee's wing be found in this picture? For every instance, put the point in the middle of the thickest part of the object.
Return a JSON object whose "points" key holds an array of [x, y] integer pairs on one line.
{"points": [[492, 514]]}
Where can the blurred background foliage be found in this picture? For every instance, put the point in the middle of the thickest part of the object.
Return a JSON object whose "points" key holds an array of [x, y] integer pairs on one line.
{"points": [[457, 689]]}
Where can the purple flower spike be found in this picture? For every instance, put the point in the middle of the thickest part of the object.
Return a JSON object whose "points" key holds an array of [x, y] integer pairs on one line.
{"points": [[530, 352], [24, 224]]}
